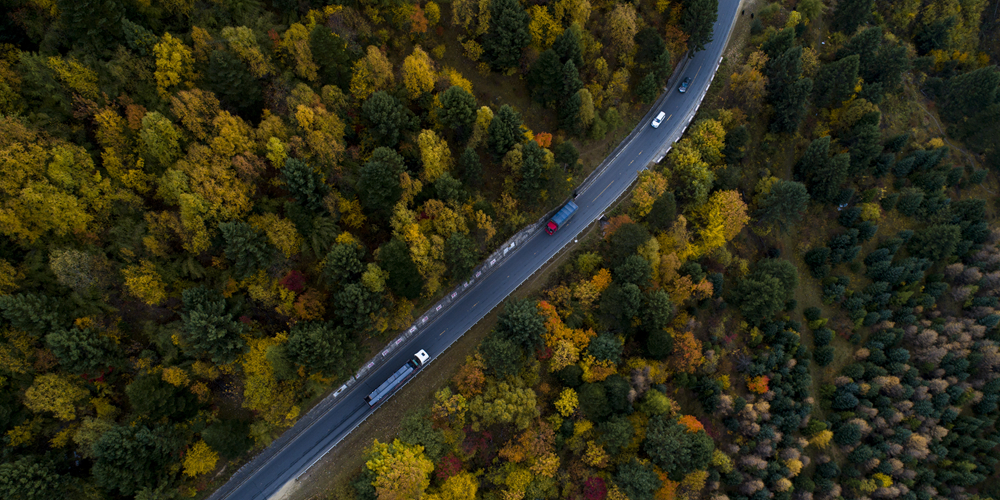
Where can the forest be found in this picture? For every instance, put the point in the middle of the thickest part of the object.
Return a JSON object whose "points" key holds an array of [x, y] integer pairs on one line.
{"points": [[211, 213]]}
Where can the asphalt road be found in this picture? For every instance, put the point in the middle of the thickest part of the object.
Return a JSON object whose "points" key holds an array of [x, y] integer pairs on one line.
{"points": [[641, 147]]}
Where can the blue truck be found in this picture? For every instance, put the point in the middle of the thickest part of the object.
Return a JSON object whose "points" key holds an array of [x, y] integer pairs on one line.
{"points": [[396, 379], [564, 213]]}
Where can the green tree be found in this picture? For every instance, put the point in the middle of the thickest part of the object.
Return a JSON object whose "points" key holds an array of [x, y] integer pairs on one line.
{"points": [[660, 344], [778, 44], [593, 401], [638, 480], [83, 351], [458, 110], [787, 91], [735, 144], [765, 290], [571, 83], [634, 269], [386, 118], [323, 347], [823, 175], [449, 188], [35, 314], [935, 35], [332, 55], [160, 139], [969, 93], [694, 181], [208, 328], [606, 347], [864, 143], [568, 46], [505, 130], [355, 305], [472, 170], [697, 20], [783, 205], [92, 24], [404, 278], [569, 114], [532, 172], [231, 80], [461, 255], [378, 186], [622, 303], [624, 242], [649, 45], [30, 478], [230, 437], [343, 264], [508, 33], [658, 312], [501, 356], [545, 78], [935, 242], [418, 429], [152, 398], [566, 155], [246, 248], [130, 457], [663, 213], [304, 184], [521, 324], [648, 88], [835, 81], [850, 14], [677, 451], [616, 433]]}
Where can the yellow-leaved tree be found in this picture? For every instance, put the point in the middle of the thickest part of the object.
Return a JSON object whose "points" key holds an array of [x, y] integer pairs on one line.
{"points": [[54, 393], [402, 471], [435, 154], [543, 28], [650, 187], [418, 73], [461, 486], [199, 459], [144, 282], [174, 65], [722, 218], [243, 43], [372, 73], [295, 43], [622, 27]]}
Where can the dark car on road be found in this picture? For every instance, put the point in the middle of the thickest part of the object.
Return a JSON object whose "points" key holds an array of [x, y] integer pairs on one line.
{"points": [[684, 85]]}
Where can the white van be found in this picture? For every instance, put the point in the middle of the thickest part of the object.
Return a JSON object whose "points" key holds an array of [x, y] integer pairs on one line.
{"points": [[658, 120]]}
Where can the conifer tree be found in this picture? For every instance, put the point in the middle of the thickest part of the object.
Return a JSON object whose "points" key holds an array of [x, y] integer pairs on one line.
{"points": [[332, 55], [567, 46], [823, 175], [508, 33], [504, 131], [83, 351], [458, 110], [697, 20], [544, 77], [850, 14], [835, 81], [304, 184], [386, 118], [246, 248], [323, 347], [782, 205], [32, 313], [231, 80], [209, 328], [379, 186]]}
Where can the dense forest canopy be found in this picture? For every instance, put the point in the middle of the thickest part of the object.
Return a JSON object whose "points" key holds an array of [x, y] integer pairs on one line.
{"points": [[210, 214]]}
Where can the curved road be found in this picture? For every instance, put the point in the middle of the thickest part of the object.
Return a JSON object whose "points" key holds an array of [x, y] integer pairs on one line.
{"points": [[644, 145]]}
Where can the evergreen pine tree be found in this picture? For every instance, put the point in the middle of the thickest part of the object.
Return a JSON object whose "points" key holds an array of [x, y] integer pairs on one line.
{"points": [[472, 170], [647, 88], [850, 14], [697, 20], [230, 79], [545, 78], [504, 132], [404, 278], [783, 205], [379, 187], [32, 313], [83, 351], [835, 81], [304, 184], [209, 328], [458, 110], [508, 33], [323, 347], [246, 248], [386, 118], [332, 55], [567, 46]]}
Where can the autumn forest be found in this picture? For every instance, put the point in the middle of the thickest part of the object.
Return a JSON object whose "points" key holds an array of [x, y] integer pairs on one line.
{"points": [[212, 213]]}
